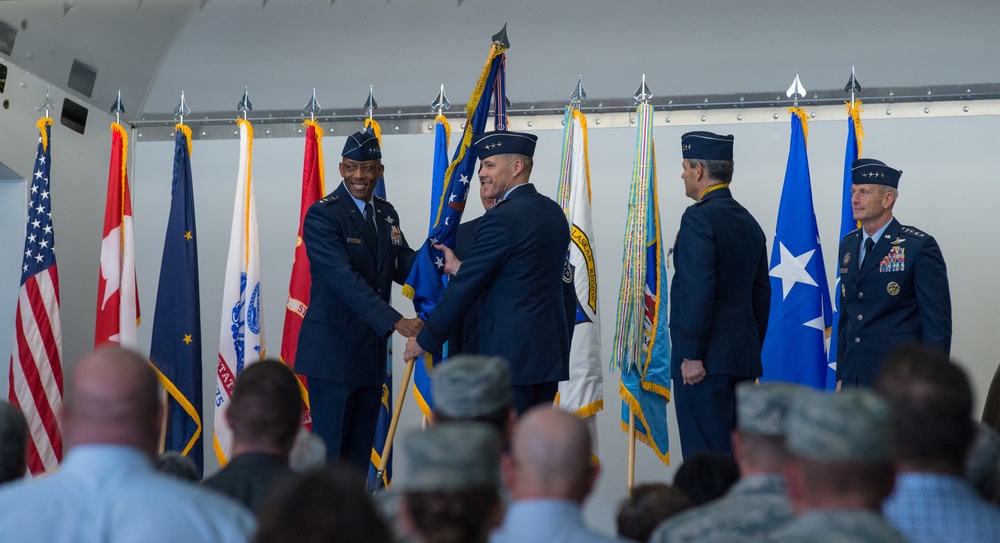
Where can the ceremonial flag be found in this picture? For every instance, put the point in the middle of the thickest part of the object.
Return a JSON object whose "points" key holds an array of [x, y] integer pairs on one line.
{"points": [[641, 348], [175, 349], [35, 377], [117, 298], [241, 340], [426, 281], [799, 323], [855, 134], [442, 135], [583, 393], [298, 286]]}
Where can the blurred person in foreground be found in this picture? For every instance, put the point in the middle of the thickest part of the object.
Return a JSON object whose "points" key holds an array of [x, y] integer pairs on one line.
{"points": [[758, 502], [932, 428], [106, 489]]}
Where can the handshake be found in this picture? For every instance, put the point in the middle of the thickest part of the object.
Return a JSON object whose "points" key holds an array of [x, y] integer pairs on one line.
{"points": [[410, 328]]}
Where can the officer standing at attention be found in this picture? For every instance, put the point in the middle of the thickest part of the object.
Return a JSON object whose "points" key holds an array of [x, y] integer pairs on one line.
{"points": [[893, 281], [720, 298], [356, 250]]}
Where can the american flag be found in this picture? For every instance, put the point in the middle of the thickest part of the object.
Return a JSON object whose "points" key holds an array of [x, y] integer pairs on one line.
{"points": [[36, 380]]}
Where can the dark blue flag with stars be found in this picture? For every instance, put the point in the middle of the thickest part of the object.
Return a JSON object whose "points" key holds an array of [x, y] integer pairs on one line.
{"points": [[798, 327], [175, 350]]}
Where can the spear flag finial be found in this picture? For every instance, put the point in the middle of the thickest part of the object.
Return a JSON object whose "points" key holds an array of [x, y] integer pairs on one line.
{"points": [[441, 103], [118, 107], [500, 38], [370, 104], [578, 95], [642, 93], [245, 105], [181, 110], [312, 107], [796, 90]]}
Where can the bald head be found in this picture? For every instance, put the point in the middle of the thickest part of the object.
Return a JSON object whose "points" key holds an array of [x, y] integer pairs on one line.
{"points": [[551, 456], [112, 399]]}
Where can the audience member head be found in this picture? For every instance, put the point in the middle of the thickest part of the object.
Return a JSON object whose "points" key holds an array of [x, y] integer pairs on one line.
{"points": [[308, 452], [931, 403], [13, 443], [839, 447], [646, 507], [450, 488], [177, 465], [706, 476], [474, 388], [323, 505], [112, 398], [759, 437], [266, 410], [550, 456], [982, 467]]}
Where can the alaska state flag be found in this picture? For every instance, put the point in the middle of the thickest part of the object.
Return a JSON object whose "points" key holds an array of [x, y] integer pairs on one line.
{"points": [[175, 350], [642, 343], [855, 133], [799, 323]]}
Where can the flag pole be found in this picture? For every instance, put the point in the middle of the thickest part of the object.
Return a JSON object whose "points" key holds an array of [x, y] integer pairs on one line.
{"points": [[631, 453], [383, 460]]}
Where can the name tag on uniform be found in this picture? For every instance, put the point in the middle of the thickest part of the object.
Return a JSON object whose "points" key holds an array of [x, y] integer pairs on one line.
{"points": [[356, 241]]}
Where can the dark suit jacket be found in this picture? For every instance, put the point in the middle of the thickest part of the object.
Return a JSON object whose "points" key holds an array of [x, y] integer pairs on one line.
{"points": [[344, 332], [250, 478], [900, 297], [720, 296], [517, 266]]}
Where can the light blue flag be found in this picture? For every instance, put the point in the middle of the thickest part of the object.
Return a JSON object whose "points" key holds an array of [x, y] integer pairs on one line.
{"points": [[799, 324], [847, 225], [642, 342], [421, 377]]}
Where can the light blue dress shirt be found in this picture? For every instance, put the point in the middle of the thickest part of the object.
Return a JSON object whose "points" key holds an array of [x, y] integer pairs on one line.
{"points": [[111, 494], [938, 507]]}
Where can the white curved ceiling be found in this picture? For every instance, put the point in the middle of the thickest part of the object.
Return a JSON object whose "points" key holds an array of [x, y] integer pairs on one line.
{"points": [[281, 49]]}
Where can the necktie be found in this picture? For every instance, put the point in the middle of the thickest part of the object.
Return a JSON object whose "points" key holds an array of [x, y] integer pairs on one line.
{"points": [[869, 245], [370, 217]]}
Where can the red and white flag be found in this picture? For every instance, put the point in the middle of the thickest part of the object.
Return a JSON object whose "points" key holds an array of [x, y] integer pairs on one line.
{"points": [[241, 339], [36, 380], [298, 287], [117, 297]]}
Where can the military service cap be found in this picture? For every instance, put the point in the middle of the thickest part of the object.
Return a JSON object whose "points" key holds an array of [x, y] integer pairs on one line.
{"points": [[868, 171], [763, 409], [851, 426], [362, 146], [468, 386], [451, 456], [706, 146], [503, 142]]}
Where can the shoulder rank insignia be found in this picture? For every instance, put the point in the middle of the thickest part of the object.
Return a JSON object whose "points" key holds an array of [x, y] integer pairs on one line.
{"points": [[329, 199], [912, 231]]}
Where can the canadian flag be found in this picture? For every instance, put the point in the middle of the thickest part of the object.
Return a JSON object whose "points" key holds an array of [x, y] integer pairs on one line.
{"points": [[117, 299]]}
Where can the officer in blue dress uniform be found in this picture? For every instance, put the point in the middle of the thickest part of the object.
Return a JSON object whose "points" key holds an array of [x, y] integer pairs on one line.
{"points": [[356, 250], [517, 268], [893, 281], [719, 298]]}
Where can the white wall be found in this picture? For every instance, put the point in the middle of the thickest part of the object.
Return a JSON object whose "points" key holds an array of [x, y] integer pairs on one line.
{"points": [[948, 189]]}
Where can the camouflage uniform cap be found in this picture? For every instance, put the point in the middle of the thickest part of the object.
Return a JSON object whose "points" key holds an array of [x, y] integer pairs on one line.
{"points": [[763, 408], [451, 456], [468, 386], [851, 426]]}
